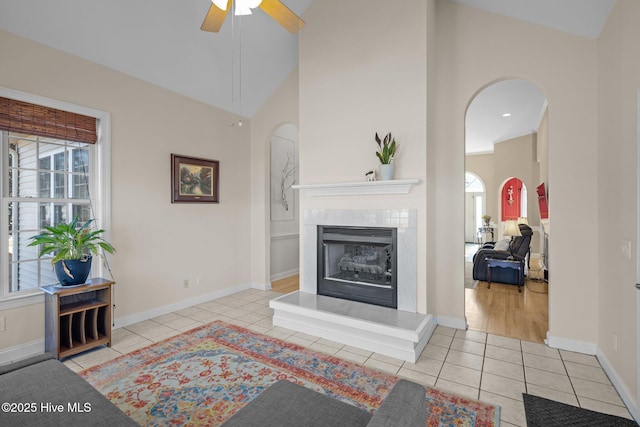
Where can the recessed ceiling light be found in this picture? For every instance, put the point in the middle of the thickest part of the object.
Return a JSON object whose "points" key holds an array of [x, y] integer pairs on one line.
{"points": [[506, 115]]}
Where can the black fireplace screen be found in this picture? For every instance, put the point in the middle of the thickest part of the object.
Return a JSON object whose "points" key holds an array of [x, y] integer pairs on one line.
{"points": [[358, 263]]}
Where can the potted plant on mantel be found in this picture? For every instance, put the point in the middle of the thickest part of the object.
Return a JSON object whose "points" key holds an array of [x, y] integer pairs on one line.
{"points": [[72, 247], [386, 152]]}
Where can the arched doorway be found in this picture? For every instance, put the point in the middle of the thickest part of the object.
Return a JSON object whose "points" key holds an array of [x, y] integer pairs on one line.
{"points": [[506, 146], [284, 221], [513, 199]]}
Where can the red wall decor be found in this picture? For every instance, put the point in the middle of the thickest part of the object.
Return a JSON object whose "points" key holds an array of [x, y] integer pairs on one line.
{"points": [[511, 193], [542, 201]]}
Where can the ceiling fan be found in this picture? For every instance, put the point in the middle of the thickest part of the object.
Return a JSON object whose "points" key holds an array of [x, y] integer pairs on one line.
{"points": [[274, 8]]}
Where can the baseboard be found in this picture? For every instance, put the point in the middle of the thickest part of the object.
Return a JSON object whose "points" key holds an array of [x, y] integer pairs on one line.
{"points": [[21, 351], [452, 322], [261, 286], [571, 345], [284, 274], [594, 350], [159, 311], [37, 347], [618, 384]]}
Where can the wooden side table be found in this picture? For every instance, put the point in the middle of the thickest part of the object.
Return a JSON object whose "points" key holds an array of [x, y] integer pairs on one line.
{"points": [[77, 318], [513, 264]]}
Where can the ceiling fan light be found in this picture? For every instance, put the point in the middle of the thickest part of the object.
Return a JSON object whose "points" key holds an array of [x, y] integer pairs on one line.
{"points": [[243, 7], [242, 11], [221, 4]]}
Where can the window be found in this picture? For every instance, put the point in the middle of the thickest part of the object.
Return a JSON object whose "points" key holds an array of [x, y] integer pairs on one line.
{"points": [[49, 184], [46, 180]]}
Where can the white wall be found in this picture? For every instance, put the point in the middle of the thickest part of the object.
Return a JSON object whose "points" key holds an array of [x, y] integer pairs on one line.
{"points": [[282, 108], [618, 88], [475, 49], [363, 70], [158, 244], [590, 131]]}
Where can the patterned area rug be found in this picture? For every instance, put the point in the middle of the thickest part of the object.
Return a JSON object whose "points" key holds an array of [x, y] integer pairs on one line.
{"points": [[204, 376]]}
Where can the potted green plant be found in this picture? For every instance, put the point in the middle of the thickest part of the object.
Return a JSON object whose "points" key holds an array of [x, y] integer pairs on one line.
{"points": [[386, 153], [72, 247]]}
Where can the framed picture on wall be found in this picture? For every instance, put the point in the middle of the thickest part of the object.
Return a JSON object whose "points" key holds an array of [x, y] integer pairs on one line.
{"points": [[194, 180]]}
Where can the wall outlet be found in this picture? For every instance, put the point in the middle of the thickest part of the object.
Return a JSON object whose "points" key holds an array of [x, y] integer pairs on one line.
{"points": [[3, 324], [626, 249], [186, 283]]}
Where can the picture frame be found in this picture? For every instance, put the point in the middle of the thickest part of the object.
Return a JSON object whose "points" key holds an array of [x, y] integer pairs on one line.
{"points": [[194, 180]]}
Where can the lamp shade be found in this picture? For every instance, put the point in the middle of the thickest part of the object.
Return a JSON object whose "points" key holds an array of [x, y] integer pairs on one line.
{"points": [[523, 220], [511, 228]]}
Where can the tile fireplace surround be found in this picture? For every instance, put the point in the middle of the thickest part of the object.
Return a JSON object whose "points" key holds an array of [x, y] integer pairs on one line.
{"points": [[400, 333]]}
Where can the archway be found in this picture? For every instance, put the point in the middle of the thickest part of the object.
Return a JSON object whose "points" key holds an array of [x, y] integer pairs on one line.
{"points": [[506, 146], [284, 215]]}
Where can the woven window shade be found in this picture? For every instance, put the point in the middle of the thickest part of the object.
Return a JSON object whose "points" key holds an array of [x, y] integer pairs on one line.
{"points": [[24, 117]]}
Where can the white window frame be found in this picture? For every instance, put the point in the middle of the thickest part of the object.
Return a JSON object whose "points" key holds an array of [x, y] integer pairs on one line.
{"points": [[100, 191]]}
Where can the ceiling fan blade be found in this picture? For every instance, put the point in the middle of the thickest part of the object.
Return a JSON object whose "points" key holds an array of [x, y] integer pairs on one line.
{"points": [[214, 19], [282, 14]]}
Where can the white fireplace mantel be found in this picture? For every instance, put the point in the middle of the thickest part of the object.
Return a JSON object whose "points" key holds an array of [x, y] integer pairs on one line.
{"points": [[394, 186]]}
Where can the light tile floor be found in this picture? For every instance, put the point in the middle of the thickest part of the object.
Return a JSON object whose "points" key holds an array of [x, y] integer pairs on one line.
{"points": [[481, 366]]}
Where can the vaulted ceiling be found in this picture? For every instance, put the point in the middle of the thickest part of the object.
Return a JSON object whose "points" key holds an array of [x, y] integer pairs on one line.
{"points": [[240, 67], [522, 100], [160, 42]]}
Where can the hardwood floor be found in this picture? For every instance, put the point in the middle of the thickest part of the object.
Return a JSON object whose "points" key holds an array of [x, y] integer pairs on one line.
{"points": [[502, 310], [286, 285]]}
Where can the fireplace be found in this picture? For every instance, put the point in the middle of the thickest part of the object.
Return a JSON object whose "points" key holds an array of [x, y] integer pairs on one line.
{"points": [[404, 221], [358, 264], [384, 241]]}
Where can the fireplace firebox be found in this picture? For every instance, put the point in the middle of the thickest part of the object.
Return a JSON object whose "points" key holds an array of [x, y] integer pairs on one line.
{"points": [[358, 264]]}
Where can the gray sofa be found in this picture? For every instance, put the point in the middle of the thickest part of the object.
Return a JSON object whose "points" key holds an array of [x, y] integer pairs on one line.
{"points": [[54, 395], [41, 391], [286, 404]]}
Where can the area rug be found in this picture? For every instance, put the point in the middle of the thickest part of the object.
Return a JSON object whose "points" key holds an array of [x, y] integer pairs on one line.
{"points": [[541, 412], [204, 376]]}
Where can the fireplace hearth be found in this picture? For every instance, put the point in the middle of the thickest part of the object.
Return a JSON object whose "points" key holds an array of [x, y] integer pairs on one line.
{"points": [[358, 264]]}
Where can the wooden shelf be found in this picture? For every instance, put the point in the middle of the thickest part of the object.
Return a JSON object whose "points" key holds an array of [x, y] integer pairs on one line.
{"points": [[77, 318], [66, 351], [81, 306]]}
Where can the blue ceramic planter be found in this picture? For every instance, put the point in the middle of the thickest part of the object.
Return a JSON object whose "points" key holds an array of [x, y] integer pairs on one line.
{"points": [[73, 271], [386, 171]]}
